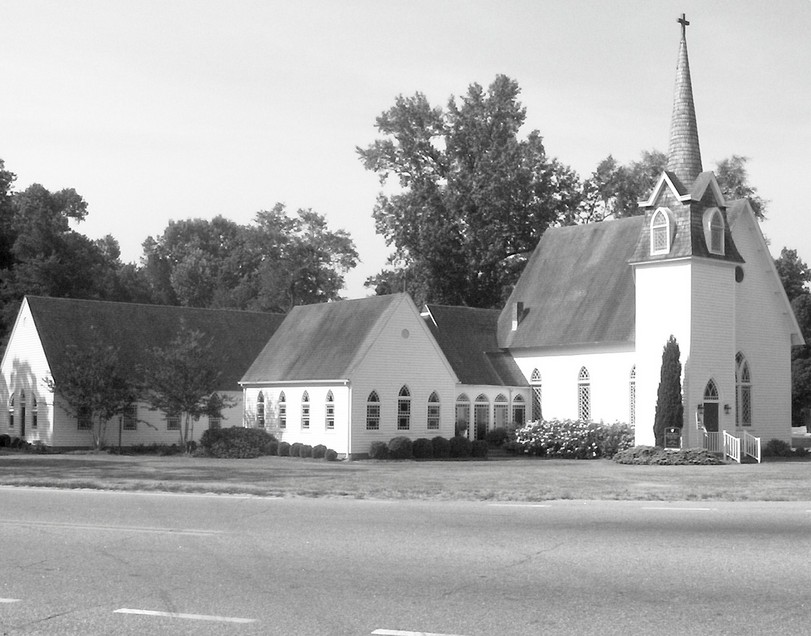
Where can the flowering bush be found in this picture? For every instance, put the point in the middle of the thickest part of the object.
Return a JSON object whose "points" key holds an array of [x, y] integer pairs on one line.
{"points": [[573, 439]]}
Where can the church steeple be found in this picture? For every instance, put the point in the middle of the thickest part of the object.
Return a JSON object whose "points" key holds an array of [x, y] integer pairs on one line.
{"points": [[684, 154]]}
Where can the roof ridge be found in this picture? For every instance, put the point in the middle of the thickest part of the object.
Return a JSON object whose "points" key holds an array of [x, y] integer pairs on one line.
{"points": [[152, 305]]}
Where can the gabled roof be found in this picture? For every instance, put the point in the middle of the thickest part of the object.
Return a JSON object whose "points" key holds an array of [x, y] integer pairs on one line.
{"points": [[467, 337], [577, 288], [236, 336], [323, 341]]}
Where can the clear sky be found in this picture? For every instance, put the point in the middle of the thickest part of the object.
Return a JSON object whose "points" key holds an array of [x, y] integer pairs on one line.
{"points": [[159, 109]]}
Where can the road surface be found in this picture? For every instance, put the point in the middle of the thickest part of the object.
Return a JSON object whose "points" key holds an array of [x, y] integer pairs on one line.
{"points": [[86, 562]]}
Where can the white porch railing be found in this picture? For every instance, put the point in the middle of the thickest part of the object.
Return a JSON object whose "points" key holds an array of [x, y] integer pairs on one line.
{"points": [[713, 441], [732, 447], [751, 446]]}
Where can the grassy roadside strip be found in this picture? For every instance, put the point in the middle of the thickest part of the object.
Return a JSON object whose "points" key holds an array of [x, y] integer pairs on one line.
{"points": [[517, 480]]}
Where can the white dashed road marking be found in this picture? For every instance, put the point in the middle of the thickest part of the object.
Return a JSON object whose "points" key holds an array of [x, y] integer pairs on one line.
{"points": [[193, 617], [9, 600], [678, 508], [82, 526], [519, 505], [399, 632]]}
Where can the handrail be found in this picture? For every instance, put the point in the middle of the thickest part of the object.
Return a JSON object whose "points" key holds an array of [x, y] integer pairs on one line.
{"points": [[732, 447], [751, 446], [712, 441]]}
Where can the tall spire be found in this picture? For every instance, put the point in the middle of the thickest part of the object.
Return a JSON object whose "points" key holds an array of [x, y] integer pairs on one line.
{"points": [[684, 154]]}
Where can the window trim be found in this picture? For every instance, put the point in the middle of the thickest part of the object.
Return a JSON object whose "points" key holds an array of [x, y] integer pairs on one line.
{"points": [[260, 410], [173, 422], [84, 418], [282, 410], [714, 230], [661, 229], [129, 418], [584, 395], [434, 412], [404, 409], [305, 411], [329, 412], [373, 411]]}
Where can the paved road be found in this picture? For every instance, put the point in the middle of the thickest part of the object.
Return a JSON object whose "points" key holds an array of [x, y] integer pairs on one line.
{"points": [[83, 562]]}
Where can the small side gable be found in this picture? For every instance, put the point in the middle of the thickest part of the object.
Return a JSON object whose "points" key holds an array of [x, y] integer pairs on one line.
{"points": [[403, 309]]}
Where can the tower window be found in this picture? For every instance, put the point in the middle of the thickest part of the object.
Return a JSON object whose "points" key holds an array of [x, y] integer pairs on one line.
{"points": [[714, 231], [660, 232]]}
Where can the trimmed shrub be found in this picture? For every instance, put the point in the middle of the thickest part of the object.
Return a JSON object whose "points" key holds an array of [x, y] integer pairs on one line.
{"points": [[16, 442], [442, 448], [497, 436], [777, 448], [479, 448], [236, 442], [379, 450], [295, 449], [306, 450], [284, 449], [330, 455], [273, 448], [653, 455], [319, 451], [460, 446], [5, 440], [572, 439], [401, 448], [423, 448]]}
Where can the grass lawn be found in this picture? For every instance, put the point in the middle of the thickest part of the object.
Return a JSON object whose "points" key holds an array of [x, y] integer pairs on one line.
{"points": [[496, 480]]}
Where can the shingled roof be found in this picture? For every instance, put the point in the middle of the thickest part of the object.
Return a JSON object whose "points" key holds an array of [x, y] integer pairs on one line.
{"points": [[577, 288], [236, 336], [321, 342], [467, 337]]}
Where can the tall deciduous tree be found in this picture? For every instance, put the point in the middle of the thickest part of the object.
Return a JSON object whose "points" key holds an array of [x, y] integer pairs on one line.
{"points": [[669, 405], [93, 383], [181, 379], [733, 179], [471, 198]]}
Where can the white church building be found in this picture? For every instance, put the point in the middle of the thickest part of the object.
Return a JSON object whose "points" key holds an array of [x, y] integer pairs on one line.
{"points": [[581, 337]]}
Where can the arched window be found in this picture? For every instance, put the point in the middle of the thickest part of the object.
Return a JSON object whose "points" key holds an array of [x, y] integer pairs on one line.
{"points": [[714, 231], [433, 411], [535, 382], [329, 418], [519, 410], [372, 412], [34, 411], [11, 411], [22, 413], [214, 421], [743, 391], [501, 411], [632, 397], [583, 395], [282, 410], [481, 417], [660, 232], [305, 410], [260, 410], [711, 391], [129, 418], [463, 415], [404, 409]]}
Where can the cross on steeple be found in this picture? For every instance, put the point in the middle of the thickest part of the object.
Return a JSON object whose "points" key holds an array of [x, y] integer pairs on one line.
{"points": [[684, 24]]}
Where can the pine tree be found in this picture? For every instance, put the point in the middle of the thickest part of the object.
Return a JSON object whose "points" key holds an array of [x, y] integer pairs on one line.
{"points": [[669, 407]]}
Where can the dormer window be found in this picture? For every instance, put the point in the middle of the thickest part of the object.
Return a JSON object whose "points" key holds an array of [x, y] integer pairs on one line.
{"points": [[714, 231], [660, 232]]}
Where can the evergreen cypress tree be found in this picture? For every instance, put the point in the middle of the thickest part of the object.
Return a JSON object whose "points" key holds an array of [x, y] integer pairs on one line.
{"points": [[669, 407]]}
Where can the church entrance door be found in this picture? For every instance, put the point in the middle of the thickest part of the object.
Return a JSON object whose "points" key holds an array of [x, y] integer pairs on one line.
{"points": [[711, 416], [711, 407]]}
